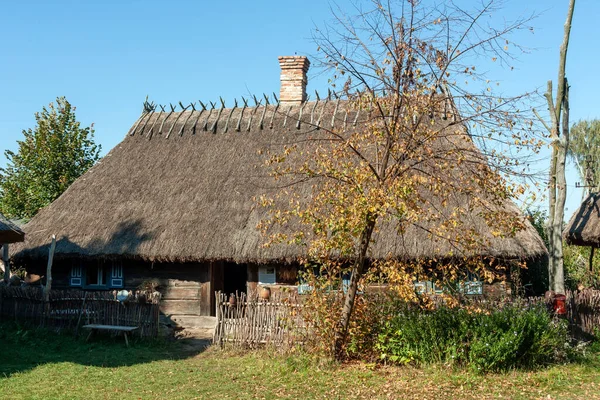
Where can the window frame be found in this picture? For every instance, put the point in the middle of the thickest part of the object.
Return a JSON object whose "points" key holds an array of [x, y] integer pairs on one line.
{"points": [[110, 275]]}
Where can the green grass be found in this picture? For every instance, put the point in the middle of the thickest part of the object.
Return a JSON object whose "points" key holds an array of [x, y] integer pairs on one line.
{"points": [[43, 365]]}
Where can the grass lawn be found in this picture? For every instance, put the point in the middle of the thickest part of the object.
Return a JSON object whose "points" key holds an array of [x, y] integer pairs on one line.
{"points": [[42, 365]]}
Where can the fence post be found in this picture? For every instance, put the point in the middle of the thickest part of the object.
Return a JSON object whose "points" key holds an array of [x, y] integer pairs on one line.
{"points": [[48, 287], [80, 314], [218, 335], [5, 262]]}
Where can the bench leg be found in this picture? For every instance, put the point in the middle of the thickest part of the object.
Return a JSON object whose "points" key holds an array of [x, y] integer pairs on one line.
{"points": [[89, 335], [126, 341]]}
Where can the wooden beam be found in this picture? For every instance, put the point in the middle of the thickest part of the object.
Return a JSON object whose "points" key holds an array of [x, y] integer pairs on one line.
{"points": [[251, 278], [5, 262], [49, 270]]}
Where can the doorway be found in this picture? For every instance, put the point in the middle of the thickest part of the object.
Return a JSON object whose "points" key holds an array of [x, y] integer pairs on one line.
{"points": [[235, 278]]}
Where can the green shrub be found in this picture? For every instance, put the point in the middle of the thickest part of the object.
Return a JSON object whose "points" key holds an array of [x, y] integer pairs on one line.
{"points": [[514, 336], [517, 337], [577, 273]]}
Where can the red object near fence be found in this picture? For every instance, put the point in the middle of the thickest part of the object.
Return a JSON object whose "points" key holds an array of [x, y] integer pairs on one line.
{"points": [[559, 304]]}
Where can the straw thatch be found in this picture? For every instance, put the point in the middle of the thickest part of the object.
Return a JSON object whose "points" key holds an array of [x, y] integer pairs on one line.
{"points": [[583, 228], [182, 186], [9, 232]]}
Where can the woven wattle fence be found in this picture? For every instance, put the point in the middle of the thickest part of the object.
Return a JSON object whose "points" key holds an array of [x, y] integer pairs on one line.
{"points": [[69, 309], [583, 310], [249, 321]]}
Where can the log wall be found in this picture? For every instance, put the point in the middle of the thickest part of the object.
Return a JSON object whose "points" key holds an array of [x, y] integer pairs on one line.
{"points": [[186, 288]]}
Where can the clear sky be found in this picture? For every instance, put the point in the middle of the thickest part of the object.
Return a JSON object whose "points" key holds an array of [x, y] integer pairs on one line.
{"points": [[106, 56]]}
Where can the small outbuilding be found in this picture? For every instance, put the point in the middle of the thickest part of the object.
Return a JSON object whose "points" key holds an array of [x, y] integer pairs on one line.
{"points": [[9, 233], [583, 228]]}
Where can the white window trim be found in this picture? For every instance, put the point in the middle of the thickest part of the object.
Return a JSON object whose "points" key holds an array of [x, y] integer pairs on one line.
{"points": [[116, 275], [75, 278]]}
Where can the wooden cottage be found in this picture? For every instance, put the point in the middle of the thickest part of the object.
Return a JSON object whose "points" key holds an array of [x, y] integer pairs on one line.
{"points": [[176, 202]]}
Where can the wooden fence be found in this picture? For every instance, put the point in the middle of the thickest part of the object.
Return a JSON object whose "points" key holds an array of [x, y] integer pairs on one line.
{"points": [[69, 309], [583, 310], [249, 321]]}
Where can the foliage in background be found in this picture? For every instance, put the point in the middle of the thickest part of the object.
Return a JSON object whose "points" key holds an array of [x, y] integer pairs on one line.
{"points": [[486, 340], [539, 219], [535, 277], [576, 263], [577, 273], [49, 158], [584, 150]]}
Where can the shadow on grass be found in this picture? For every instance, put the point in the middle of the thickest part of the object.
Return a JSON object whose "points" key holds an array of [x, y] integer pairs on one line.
{"points": [[24, 349]]}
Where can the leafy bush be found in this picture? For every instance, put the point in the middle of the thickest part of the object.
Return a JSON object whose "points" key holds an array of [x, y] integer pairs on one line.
{"points": [[485, 340], [517, 337], [577, 273]]}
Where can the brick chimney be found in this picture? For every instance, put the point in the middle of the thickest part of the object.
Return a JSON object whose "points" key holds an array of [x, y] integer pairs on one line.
{"points": [[293, 79]]}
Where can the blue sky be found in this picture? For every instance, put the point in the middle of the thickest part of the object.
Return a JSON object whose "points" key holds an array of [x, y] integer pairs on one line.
{"points": [[106, 56]]}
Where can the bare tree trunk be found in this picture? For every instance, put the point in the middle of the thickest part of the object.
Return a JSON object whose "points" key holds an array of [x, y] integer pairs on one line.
{"points": [[559, 114], [6, 262], [550, 224], [561, 196], [49, 270], [358, 270]]}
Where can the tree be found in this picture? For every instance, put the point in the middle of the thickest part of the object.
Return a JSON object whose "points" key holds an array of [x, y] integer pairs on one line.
{"points": [[558, 129], [412, 161], [584, 150], [49, 158]]}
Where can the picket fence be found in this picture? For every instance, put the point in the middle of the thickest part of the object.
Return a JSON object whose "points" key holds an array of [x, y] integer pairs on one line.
{"points": [[247, 320]]}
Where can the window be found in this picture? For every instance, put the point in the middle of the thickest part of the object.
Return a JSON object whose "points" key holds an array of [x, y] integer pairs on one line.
{"points": [[94, 275], [116, 274], [267, 275], [75, 276], [472, 285], [472, 288], [422, 287]]}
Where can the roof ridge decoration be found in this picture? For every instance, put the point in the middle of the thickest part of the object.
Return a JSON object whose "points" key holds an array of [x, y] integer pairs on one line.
{"points": [[153, 115]]}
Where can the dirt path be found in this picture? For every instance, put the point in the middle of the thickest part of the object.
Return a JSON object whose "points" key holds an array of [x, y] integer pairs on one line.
{"points": [[194, 341]]}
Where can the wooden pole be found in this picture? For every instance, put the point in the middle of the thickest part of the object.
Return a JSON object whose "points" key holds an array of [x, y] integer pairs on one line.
{"points": [[6, 263], [592, 259], [49, 270], [80, 314]]}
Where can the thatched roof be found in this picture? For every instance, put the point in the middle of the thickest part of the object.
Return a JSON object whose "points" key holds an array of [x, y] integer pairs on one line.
{"points": [[183, 186], [583, 228], [9, 232]]}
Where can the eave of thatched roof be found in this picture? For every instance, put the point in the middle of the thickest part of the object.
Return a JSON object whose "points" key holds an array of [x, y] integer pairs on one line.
{"points": [[583, 228], [9, 232], [182, 186]]}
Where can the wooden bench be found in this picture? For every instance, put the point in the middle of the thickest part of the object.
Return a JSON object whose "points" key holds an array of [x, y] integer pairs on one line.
{"points": [[114, 328]]}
